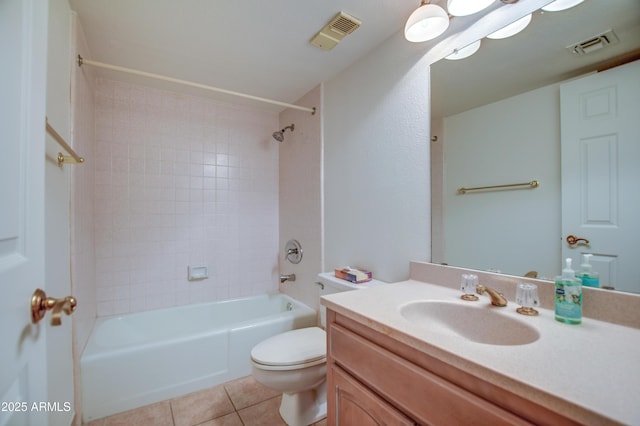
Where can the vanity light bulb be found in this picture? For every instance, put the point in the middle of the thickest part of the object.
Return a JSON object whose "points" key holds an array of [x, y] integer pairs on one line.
{"points": [[426, 23], [559, 5], [467, 7], [511, 29]]}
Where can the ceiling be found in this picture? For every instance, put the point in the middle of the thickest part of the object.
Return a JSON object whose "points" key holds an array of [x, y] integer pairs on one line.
{"points": [[256, 47], [262, 47]]}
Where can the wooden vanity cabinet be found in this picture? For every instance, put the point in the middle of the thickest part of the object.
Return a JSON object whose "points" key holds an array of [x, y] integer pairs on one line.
{"points": [[373, 379], [355, 404]]}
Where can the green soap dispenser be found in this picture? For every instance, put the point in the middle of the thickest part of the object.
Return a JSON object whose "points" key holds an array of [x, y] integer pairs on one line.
{"points": [[568, 296], [588, 277]]}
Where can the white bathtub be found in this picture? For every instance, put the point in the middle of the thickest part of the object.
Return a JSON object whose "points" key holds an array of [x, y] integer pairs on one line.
{"points": [[141, 358]]}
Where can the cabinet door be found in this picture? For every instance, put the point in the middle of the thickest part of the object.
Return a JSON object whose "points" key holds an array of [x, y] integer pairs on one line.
{"points": [[425, 396], [356, 405]]}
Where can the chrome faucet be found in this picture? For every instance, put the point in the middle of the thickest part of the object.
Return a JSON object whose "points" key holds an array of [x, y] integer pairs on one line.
{"points": [[287, 277], [497, 299]]}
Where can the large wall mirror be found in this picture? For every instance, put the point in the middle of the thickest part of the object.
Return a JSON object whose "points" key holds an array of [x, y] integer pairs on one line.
{"points": [[504, 101]]}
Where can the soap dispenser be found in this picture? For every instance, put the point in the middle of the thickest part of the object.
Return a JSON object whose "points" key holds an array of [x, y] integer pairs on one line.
{"points": [[568, 298], [588, 277]]}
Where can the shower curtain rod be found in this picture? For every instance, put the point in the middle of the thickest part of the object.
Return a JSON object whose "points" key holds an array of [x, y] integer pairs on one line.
{"points": [[83, 61]]}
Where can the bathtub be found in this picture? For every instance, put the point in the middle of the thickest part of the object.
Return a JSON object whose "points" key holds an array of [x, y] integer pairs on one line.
{"points": [[138, 359]]}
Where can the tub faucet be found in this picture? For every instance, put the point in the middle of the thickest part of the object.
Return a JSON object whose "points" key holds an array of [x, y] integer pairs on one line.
{"points": [[497, 299], [287, 277]]}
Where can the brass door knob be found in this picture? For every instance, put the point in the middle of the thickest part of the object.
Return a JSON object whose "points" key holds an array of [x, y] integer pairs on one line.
{"points": [[40, 304], [572, 240]]}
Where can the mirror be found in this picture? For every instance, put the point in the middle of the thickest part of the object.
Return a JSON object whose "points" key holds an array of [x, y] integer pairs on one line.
{"points": [[502, 70]]}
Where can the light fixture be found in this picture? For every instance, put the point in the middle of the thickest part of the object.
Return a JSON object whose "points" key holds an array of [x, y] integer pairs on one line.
{"points": [[511, 29], [426, 23], [465, 52], [559, 5], [467, 7]]}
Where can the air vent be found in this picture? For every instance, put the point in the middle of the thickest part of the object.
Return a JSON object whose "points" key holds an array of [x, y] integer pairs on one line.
{"points": [[333, 33], [595, 43], [344, 23]]}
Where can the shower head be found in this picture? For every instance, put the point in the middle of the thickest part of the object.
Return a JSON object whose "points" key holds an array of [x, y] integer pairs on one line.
{"points": [[279, 135]]}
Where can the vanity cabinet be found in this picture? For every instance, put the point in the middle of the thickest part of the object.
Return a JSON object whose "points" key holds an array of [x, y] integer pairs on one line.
{"points": [[374, 379], [355, 404]]}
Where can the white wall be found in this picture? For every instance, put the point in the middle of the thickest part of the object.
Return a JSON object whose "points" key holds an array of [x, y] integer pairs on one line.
{"points": [[376, 170], [513, 140]]}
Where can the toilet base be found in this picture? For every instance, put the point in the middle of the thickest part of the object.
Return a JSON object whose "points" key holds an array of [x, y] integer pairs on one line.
{"points": [[306, 407]]}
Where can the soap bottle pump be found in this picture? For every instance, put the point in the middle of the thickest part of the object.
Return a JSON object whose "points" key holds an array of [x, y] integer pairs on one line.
{"points": [[568, 297], [588, 277]]}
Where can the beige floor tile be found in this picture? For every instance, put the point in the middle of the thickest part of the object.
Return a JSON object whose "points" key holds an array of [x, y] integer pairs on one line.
{"points": [[229, 420], [99, 422], [158, 414], [264, 413], [198, 407], [246, 391]]}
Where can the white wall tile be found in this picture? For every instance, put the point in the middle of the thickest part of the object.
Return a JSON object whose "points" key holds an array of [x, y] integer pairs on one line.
{"points": [[300, 212], [166, 197]]}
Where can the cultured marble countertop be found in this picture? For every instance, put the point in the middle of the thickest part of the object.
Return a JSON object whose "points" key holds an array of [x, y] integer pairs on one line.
{"points": [[588, 372]]}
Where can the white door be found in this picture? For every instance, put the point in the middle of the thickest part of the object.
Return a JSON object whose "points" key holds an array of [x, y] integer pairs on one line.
{"points": [[23, 43], [600, 133]]}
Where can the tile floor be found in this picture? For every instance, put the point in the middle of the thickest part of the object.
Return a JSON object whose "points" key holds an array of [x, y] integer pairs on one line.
{"points": [[242, 402]]}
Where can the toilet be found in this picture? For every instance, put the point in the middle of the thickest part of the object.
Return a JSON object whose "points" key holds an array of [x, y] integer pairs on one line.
{"points": [[295, 362]]}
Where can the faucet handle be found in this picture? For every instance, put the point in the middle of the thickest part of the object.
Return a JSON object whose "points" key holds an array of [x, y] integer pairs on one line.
{"points": [[468, 285], [527, 298]]}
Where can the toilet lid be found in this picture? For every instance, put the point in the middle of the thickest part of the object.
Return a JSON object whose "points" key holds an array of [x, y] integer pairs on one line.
{"points": [[292, 347]]}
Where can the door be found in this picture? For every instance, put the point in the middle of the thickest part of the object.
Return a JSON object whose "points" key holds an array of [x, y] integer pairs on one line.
{"points": [[600, 133], [23, 43]]}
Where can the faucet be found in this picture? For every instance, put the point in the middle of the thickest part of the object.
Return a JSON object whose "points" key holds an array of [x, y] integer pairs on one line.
{"points": [[497, 299], [287, 277]]}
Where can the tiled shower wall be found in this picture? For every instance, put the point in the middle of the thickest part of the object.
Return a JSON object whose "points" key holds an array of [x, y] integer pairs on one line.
{"points": [[301, 197], [182, 180]]}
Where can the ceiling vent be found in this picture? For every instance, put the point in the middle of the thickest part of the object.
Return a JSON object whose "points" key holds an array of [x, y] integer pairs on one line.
{"points": [[333, 33], [594, 43]]}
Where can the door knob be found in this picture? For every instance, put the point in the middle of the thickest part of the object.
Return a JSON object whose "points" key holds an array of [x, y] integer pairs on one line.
{"points": [[572, 240], [40, 304]]}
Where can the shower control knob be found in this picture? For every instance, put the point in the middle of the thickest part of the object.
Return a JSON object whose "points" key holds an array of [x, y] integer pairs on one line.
{"points": [[293, 251]]}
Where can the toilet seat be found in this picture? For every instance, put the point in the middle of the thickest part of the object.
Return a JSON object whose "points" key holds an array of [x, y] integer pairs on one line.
{"points": [[301, 348]]}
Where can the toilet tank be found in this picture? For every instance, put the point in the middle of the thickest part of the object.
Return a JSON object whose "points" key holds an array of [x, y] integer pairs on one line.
{"points": [[331, 284]]}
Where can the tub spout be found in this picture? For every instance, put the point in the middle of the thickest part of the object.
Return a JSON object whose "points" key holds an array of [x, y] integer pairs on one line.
{"points": [[287, 277]]}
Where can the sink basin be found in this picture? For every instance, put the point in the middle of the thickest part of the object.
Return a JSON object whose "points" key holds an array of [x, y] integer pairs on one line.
{"points": [[475, 322]]}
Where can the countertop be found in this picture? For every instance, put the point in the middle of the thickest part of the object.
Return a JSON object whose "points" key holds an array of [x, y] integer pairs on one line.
{"points": [[588, 372]]}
